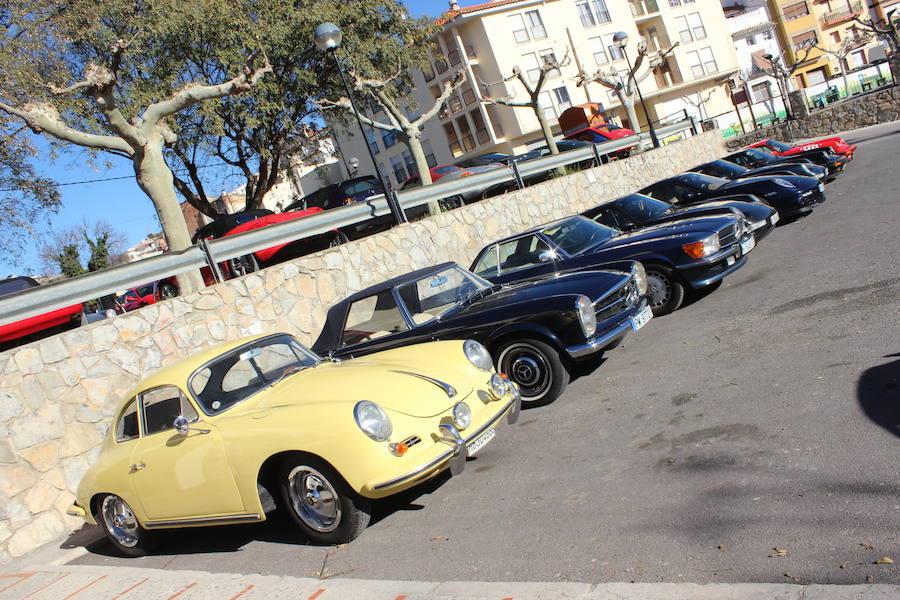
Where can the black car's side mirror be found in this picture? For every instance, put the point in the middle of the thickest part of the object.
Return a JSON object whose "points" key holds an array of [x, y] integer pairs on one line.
{"points": [[547, 256]]}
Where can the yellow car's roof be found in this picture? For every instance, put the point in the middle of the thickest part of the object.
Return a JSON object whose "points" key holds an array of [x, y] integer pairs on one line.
{"points": [[178, 372]]}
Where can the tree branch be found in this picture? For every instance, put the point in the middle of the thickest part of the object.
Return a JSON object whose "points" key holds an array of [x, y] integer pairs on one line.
{"points": [[449, 88], [43, 118], [194, 93]]}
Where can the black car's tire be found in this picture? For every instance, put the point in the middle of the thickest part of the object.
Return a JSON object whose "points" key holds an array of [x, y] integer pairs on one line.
{"points": [[451, 203], [339, 238], [122, 528], [242, 265], [320, 503], [665, 290], [167, 290], [535, 367]]}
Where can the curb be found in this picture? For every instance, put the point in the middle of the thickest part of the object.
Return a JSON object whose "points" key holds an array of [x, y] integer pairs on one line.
{"points": [[113, 583]]}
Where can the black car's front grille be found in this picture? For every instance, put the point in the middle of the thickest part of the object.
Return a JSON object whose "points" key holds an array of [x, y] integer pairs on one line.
{"points": [[727, 236], [616, 302]]}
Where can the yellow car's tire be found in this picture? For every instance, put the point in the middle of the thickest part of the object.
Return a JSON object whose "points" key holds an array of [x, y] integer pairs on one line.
{"points": [[320, 503], [122, 528]]}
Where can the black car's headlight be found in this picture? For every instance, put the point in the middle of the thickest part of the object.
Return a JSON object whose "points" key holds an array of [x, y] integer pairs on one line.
{"points": [[478, 355], [639, 275], [586, 315], [783, 183]]}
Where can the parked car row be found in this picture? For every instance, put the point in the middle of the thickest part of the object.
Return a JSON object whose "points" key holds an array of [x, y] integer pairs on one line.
{"points": [[411, 376]]}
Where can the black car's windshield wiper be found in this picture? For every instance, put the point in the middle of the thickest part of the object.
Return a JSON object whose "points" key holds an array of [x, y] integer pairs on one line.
{"points": [[478, 294]]}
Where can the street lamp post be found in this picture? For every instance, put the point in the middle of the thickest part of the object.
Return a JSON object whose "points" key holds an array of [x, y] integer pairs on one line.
{"points": [[621, 40], [780, 77], [328, 38], [354, 165]]}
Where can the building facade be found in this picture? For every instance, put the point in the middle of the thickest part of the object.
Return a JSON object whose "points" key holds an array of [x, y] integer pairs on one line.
{"points": [[486, 42], [755, 43]]}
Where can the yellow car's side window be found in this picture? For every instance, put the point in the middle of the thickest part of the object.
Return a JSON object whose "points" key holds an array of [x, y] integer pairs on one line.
{"points": [[127, 425], [162, 406]]}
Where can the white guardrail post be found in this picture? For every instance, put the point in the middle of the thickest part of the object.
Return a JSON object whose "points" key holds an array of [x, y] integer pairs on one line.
{"points": [[84, 288]]}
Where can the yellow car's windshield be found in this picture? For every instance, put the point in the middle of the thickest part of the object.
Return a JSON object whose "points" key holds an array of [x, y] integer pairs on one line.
{"points": [[236, 375]]}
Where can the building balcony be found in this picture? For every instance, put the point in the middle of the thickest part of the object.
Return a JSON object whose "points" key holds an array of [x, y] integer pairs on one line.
{"points": [[836, 17]]}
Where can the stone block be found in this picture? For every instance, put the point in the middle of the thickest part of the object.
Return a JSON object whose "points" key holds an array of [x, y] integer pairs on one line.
{"points": [[42, 426], [17, 512], [208, 302], [28, 360], [79, 438], [104, 336], [7, 452], [45, 528], [53, 350], [15, 479], [42, 457], [126, 359], [40, 498], [11, 405], [74, 469]]}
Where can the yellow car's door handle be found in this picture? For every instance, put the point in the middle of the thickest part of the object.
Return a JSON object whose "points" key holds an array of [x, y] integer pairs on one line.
{"points": [[137, 467]]}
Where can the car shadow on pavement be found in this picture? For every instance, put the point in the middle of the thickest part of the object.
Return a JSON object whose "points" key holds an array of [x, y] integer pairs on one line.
{"points": [[879, 395], [860, 140], [231, 538]]}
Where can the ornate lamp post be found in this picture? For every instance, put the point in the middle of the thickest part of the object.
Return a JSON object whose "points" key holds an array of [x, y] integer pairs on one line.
{"points": [[328, 38], [620, 39]]}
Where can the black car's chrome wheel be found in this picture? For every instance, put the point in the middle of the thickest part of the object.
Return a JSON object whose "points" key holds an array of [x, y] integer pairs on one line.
{"points": [[665, 291], [122, 527], [320, 502], [167, 290], [339, 238], [242, 265], [536, 368]]}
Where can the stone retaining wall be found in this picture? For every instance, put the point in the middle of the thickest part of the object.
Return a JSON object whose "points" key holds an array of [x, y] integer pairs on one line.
{"points": [[58, 394], [881, 106]]}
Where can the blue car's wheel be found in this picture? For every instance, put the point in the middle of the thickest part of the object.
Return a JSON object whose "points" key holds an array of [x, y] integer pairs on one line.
{"points": [[666, 292]]}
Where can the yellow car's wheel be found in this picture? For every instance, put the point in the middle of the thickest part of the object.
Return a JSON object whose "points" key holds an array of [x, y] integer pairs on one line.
{"points": [[122, 527], [320, 503]]}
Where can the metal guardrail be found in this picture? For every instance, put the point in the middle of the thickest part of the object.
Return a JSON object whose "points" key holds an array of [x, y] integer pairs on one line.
{"points": [[68, 292]]}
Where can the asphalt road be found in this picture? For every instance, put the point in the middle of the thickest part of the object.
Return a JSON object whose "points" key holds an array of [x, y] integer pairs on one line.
{"points": [[764, 415]]}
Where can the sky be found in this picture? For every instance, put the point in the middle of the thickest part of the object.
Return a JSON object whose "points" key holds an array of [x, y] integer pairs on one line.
{"points": [[119, 202]]}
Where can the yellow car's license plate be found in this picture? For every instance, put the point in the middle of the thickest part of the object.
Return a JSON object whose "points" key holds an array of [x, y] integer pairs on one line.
{"points": [[480, 441]]}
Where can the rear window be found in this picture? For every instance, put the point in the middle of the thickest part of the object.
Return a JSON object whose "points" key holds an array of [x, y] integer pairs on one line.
{"points": [[445, 170], [18, 284], [358, 187]]}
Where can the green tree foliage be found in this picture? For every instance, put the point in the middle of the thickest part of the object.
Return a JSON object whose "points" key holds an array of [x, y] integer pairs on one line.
{"points": [[69, 262], [257, 133], [109, 76], [27, 200]]}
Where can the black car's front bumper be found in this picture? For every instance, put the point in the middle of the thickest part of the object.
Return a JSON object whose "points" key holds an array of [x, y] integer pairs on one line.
{"points": [[716, 267], [800, 203], [609, 332]]}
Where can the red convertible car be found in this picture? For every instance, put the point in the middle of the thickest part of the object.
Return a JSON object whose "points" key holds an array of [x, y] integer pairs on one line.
{"points": [[836, 145], [34, 327]]}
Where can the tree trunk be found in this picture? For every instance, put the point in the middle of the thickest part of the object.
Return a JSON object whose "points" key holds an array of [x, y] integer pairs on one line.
{"points": [[415, 148], [628, 103], [842, 63], [545, 129], [155, 179]]}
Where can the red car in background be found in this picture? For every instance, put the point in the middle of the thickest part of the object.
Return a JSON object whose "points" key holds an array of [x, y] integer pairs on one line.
{"points": [[150, 293], [603, 133], [248, 220], [38, 326], [837, 145]]}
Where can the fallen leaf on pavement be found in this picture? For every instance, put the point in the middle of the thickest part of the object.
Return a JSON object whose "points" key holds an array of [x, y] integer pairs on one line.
{"points": [[884, 560], [722, 548], [792, 578], [778, 552], [439, 538], [867, 546], [844, 566]]}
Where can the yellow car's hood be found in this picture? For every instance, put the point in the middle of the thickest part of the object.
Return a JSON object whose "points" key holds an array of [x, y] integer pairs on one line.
{"points": [[419, 381]]}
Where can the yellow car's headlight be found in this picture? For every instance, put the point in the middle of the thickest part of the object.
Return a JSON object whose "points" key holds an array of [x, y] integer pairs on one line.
{"points": [[372, 420]]}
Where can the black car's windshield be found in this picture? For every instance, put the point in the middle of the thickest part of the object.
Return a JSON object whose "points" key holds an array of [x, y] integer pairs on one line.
{"points": [[431, 296], [702, 181], [779, 146], [578, 234], [723, 168], [759, 155], [640, 208], [238, 374], [351, 188]]}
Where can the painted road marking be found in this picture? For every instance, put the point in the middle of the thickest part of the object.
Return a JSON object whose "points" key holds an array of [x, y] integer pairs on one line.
{"points": [[20, 576], [116, 597], [176, 594], [78, 591], [244, 591], [41, 589], [316, 595]]}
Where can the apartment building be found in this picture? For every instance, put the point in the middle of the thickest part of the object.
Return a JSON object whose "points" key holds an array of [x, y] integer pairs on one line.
{"points": [[753, 32], [839, 27], [487, 41]]}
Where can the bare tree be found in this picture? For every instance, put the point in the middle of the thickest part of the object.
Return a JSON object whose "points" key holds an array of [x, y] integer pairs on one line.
{"points": [[888, 31], [843, 50], [533, 89], [408, 130], [625, 86], [106, 110]]}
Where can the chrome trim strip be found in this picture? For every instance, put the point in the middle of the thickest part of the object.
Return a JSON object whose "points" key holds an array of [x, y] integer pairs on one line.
{"points": [[448, 389], [417, 472], [249, 518]]}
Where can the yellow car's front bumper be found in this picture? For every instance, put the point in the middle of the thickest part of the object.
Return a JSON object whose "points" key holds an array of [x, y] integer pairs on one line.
{"points": [[454, 457]]}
